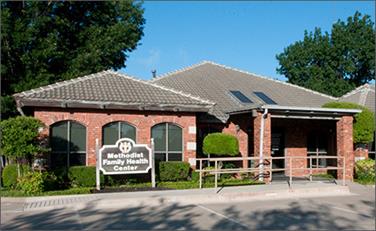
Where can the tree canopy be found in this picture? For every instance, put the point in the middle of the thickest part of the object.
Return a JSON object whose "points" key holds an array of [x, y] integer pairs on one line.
{"points": [[47, 41], [364, 124], [332, 63]]}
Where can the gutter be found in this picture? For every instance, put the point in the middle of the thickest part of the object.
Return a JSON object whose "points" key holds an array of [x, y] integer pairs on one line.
{"points": [[313, 109], [261, 160]]}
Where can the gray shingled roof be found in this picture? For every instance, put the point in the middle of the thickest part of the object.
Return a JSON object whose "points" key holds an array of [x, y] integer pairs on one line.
{"points": [[214, 81], [112, 90], [363, 95]]}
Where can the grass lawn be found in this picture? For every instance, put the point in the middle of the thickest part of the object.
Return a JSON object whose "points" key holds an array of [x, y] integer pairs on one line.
{"points": [[170, 185]]}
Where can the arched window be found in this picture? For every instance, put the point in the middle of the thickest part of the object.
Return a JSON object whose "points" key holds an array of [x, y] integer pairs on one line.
{"points": [[116, 130], [68, 144], [168, 142]]}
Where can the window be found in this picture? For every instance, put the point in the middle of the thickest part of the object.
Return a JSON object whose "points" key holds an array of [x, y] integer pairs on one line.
{"points": [[68, 144], [317, 145], [264, 97], [112, 132], [241, 97], [168, 142]]}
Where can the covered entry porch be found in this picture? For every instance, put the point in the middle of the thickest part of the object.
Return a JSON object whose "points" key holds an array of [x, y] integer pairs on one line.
{"points": [[300, 141]]}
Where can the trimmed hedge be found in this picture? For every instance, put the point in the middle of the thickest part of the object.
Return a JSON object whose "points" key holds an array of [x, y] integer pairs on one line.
{"points": [[82, 176], [364, 124], [173, 171], [10, 174], [365, 170], [221, 144]]}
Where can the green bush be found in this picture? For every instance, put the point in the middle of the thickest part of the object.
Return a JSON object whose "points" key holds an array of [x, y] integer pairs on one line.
{"points": [[20, 137], [117, 180], [364, 123], [173, 171], [365, 170], [36, 182], [10, 174], [83, 176], [62, 181], [220, 144]]}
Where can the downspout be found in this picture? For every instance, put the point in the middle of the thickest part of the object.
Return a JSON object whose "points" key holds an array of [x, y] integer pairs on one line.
{"points": [[261, 160], [19, 109]]}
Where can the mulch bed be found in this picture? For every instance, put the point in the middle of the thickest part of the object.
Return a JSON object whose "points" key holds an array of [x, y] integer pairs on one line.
{"points": [[140, 189]]}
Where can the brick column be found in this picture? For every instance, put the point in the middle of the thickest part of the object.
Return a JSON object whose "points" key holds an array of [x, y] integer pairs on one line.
{"points": [[345, 146], [267, 135], [234, 129]]}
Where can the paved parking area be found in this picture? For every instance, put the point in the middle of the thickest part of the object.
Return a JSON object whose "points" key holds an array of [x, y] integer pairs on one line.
{"points": [[353, 212]]}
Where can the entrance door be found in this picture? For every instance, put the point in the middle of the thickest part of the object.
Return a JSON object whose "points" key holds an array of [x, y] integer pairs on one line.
{"points": [[278, 148]]}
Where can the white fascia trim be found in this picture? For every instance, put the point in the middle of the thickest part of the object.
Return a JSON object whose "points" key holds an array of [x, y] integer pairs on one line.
{"points": [[316, 109]]}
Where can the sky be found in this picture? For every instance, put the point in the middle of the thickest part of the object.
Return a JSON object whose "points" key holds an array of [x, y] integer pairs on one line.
{"points": [[246, 35]]}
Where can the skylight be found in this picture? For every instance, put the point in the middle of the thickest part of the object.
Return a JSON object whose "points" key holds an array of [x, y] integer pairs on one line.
{"points": [[264, 97], [241, 97]]}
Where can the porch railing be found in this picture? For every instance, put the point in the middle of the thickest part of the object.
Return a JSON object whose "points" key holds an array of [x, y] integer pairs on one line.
{"points": [[265, 168]]}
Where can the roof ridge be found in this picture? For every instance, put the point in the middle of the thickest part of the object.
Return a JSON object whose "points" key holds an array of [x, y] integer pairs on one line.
{"points": [[206, 101], [274, 80], [356, 90], [177, 71], [61, 83]]}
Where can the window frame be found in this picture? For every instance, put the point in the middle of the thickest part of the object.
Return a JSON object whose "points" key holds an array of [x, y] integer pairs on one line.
{"points": [[322, 163], [68, 150], [166, 151], [119, 130]]}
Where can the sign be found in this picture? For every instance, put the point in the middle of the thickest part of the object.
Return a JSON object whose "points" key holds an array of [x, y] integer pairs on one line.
{"points": [[125, 157]]}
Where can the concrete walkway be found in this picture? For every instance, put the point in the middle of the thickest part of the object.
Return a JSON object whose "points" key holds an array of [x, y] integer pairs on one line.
{"points": [[280, 190]]}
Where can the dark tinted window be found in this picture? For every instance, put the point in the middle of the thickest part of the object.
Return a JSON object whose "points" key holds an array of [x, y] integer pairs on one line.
{"points": [[241, 97], [264, 97]]}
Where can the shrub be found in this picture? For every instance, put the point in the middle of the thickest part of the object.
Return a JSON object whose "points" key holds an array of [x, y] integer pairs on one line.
{"points": [[36, 182], [364, 124], [365, 170], [220, 144], [173, 171], [62, 180], [83, 176], [116, 180], [10, 174]]}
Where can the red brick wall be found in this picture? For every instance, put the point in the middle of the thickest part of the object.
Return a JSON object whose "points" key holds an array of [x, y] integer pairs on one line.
{"points": [[95, 120], [238, 126], [345, 146]]}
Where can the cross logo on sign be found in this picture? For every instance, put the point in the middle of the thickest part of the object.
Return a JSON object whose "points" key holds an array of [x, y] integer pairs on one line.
{"points": [[125, 146]]}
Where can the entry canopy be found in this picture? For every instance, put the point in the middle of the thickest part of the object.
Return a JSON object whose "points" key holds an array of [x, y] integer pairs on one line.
{"points": [[277, 111]]}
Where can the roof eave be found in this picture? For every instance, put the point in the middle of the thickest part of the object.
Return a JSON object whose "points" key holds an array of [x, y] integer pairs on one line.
{"points": [[22, 102]]}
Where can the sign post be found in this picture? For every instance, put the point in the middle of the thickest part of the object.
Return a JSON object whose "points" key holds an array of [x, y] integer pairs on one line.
{"points": [[153, 164], [97, 177]]}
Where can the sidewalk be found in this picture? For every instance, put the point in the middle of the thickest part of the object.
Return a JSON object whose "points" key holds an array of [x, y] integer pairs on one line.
{"points": [[277, 191]]}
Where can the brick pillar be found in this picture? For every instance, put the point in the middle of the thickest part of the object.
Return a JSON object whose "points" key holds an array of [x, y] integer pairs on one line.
{"points": [[345, 146], [242, 137], [267, 135]]}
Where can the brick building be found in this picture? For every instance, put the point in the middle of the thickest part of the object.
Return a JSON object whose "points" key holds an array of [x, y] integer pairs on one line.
{"points": [[180, 108]]}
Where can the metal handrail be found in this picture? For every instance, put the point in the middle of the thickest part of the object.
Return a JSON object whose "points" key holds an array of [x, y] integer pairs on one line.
{"points": [[269, 169]]}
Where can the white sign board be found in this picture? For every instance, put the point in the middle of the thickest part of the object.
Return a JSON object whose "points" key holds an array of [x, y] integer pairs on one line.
{"points": [[125, 157]]}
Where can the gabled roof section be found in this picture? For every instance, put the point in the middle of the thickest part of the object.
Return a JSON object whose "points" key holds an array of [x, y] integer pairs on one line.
{"points": [[363, 95], [213, 81], [111, 90]]}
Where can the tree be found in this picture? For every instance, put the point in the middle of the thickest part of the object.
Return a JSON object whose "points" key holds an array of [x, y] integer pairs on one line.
{"points": [[47, 41], [364, 124], [333, 63], [20, 138]]}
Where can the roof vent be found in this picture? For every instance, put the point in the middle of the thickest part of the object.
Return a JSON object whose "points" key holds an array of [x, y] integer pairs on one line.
{"points": [[154, 74]]}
